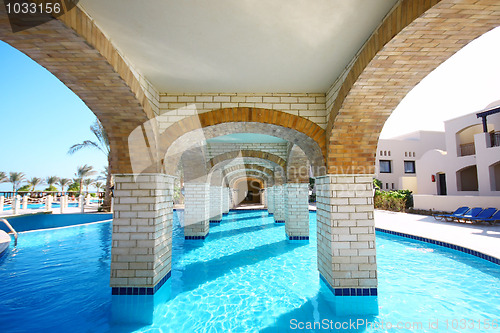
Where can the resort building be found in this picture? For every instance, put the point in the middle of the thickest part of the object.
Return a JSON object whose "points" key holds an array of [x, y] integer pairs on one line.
{"points": [[461, 163], [249, 99], [398, 159], [467, 172]]}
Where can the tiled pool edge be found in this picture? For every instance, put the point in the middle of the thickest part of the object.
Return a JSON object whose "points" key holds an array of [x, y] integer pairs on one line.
{"points": [[350, 291], [443, 244], [130, 291]]}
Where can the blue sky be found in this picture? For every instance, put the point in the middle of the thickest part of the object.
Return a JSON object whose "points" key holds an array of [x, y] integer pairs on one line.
{"points": [[40, 119]]}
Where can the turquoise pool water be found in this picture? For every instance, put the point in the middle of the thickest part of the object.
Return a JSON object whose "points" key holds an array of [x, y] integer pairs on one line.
{"points": [[244, 278]]}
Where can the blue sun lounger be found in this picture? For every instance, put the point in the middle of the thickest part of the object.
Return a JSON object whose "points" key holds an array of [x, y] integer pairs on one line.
{"points": [[492, 219], [473, 213], [450, 217], [485, 214]]}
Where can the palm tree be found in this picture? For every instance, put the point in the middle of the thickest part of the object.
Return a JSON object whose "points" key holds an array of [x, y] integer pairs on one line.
{"points": [[3, 177], [83, 172], [98, 185], [87, 182], [34, 182], [63, 182], [51, 180], [102, 144], [16, 178]]}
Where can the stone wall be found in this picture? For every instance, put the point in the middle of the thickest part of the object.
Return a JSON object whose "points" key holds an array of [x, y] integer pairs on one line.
{"points": [[174, 107]]}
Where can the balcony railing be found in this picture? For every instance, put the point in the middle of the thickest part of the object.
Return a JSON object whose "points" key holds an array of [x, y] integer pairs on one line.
{"points": [[495, 139], [467, 149]]}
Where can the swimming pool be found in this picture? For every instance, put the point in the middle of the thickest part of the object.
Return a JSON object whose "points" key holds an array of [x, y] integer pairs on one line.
{"points": [[42, 205], [244, 278]]}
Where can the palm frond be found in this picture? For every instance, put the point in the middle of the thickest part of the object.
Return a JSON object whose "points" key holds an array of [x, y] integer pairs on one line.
{"points": [[85, 144]]}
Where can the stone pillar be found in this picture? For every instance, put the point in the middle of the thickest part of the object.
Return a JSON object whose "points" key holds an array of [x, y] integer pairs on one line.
{"points": [[215, 204], [297, 211], [141, 253], [25, 201], [2, 203], [270, 200], [346, 234], [81, 203], [15, 204], [87, 199], [62, 203], [48, 203], [279, 204], [196, 210], [225, 200]]}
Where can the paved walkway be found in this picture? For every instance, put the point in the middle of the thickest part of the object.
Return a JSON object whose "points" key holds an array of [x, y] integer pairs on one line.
{"points": [[483, 238]]}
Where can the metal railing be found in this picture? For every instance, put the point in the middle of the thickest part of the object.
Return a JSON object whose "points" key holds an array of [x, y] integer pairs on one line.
{"points": [[11, 229], [495, 139], [467, 149]]}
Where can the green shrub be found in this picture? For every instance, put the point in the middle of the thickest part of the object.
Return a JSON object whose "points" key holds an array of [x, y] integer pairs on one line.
{"points": [[51, 188], [377, 184], [396, 201]]}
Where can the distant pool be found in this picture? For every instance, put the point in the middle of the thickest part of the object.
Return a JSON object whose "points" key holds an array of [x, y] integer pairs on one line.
{"points": [[47, 221], [244, 278], [42, 206]]}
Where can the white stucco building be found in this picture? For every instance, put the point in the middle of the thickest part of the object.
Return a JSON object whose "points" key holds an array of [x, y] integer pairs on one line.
{"points": [[445, 170], [398, 164]]}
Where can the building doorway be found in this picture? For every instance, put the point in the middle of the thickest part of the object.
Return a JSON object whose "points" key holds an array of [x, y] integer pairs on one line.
{"points": [[441, 183]]}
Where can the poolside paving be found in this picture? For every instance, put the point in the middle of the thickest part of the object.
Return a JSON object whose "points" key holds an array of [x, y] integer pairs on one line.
{"points": [[483, 238]]}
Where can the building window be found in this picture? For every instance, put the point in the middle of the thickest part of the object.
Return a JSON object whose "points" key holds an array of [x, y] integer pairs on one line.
{"points": [[385, 166], [393, 186], [389, 153], [386, 186], [409, 166], [413, 154]]}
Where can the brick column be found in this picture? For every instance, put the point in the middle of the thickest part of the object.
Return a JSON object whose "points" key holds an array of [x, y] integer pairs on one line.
{"points": [[196, 210], [297, 211], [215, 204], [346, 234], [279, 204], [225, 200], [142, 233], [270, 200]]}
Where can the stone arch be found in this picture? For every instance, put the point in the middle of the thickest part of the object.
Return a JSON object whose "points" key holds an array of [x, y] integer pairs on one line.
{"points": [[239, 177], [246, 153], [403, 50], [89, 65], [251, 163], [237, 173], [190, 130], [250, 167], [238, 198]]}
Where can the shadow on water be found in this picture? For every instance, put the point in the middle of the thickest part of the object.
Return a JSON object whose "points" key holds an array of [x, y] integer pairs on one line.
{"points": [[240, 219], [233, 232], [202, 272], [319, 314]]}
